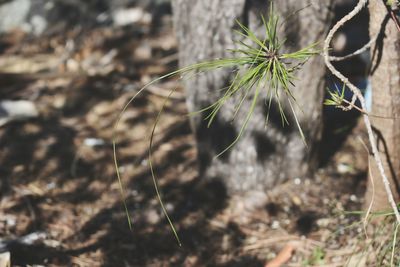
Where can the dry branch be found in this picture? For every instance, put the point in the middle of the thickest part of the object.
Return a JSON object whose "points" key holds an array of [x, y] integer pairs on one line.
{"points": [[356, 91]]}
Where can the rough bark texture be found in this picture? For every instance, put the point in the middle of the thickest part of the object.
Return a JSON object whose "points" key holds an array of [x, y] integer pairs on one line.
{"points": [[385, 102], [262, 157]]}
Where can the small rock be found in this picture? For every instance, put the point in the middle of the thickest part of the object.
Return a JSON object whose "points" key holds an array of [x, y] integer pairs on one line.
{"points": [[51, 186], [92, 142], [12, 110], [324, 222], [169, 207], [52, 243], [5, 259], [344, 168], [123, 17], [152, 217], [275, 225], [143, 52], [296, 200]]}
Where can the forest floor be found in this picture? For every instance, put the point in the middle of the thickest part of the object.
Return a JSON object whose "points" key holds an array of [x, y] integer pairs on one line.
{"points": [[60, 200]]}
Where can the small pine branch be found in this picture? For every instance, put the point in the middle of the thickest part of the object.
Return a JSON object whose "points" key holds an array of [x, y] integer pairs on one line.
{"points": [[259, 65]]}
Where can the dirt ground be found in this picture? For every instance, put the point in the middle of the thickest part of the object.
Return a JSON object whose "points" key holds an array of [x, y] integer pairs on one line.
{"points": [[60, 200]]}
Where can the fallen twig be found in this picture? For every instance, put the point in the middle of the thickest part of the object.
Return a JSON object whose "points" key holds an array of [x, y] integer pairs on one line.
{"points": [[284, 256]]}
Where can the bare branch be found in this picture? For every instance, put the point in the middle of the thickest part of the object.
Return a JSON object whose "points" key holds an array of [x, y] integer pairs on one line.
{"points": [[357, 93], [357, 52]]}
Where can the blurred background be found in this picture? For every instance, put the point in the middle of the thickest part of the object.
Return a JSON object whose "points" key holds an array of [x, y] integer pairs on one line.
{"points": [[67, 67]]}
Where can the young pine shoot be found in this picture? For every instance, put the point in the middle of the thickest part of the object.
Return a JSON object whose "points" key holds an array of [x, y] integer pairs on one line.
{"points": [[258, 65]]}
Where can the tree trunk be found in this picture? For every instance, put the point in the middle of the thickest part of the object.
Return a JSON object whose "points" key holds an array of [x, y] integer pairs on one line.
{"points": [[264, 156], [385, 103]]}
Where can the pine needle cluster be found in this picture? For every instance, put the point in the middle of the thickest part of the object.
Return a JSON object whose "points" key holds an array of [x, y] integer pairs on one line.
{"points": [[259, 65]]}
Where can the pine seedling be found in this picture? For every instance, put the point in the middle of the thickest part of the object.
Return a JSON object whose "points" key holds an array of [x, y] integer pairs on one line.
{"points": [[336, 97], [258, 65], [338, 100]]}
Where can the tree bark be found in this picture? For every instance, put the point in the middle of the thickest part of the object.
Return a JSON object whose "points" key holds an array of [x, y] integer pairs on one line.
{"points": [[264, 156], [385, 78]]}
